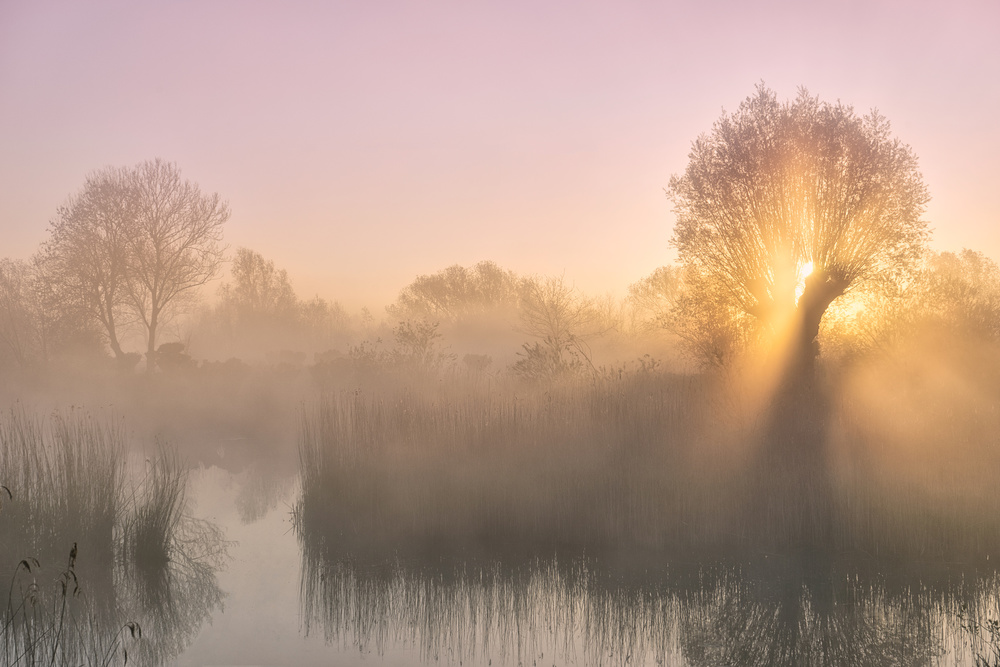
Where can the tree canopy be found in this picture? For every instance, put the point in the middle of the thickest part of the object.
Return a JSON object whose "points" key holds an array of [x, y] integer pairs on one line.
{"points": [[134, 243], [259, 313], [777, 189], [457, 292], [259, 290]]}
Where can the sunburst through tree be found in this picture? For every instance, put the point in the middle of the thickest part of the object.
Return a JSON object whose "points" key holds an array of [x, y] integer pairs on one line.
{"points": [[786, 206]]}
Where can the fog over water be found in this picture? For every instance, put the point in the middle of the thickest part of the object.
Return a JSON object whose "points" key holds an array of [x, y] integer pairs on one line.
{"points": [[499, 335], [375, 510], [497, 467]]}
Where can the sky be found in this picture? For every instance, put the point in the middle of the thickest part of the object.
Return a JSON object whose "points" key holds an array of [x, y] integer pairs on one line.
{"points": [[361, 144]]}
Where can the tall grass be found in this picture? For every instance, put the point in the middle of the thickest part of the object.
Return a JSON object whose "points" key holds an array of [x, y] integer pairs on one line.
{"points": [[484, 470], [667, 464], [452, 517], [72, 492], [67, 482]]}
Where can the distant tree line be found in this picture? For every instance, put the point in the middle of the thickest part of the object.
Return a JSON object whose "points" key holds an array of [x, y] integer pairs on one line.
{"points": [[798, 228], [257, 311], [489, 306], [258, 315], [954, 295]]}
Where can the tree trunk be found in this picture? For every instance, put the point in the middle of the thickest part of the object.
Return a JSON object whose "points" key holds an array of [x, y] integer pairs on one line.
{"points": [[109, 320], [820, 291], [113, 342], [151, 345], [798, 506]]}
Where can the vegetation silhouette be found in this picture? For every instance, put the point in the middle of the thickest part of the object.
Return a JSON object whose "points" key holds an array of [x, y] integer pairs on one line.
{"points": [[132, 244], [519, 608], [681, 466], [485, 497], [785, 207], [138, 565]]}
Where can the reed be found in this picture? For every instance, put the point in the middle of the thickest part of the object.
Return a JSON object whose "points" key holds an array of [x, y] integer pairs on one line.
{"points": [[668, 464], [70, 484]]}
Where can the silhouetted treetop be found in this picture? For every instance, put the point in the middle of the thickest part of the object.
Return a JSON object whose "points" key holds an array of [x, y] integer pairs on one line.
{"points": [[258, 288], [778, 187], [458, 291]]}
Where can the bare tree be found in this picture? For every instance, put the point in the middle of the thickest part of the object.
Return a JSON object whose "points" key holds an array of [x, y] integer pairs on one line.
{"points": [[19, 335], [176, 245], [712, 329], [259, 302], [653, 298], [259, 290], [554, 312], [35, 327], [132, 245], [458, 292], [776, 188], [955, 297], [85, 261]]}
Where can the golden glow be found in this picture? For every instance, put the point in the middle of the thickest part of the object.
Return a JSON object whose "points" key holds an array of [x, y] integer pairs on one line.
{"points": [[804, 272]]}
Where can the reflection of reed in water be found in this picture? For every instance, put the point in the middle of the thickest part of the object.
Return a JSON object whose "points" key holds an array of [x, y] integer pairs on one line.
{"points": [[136, 558], [621, 466], [477, 613], [781, 612], [533, 610]]}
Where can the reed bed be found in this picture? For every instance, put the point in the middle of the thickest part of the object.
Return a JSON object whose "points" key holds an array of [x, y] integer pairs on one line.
{"points": [[67, 483], [491, 471], [132, 559], [670, 465], [453, 517]]}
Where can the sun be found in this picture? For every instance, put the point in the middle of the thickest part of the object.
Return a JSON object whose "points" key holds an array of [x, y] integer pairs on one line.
{"points": [[804, 271], [800, 285]]}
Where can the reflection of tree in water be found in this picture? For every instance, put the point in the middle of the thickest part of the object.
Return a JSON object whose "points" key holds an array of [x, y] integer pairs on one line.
{"points": [[526, 611], [140, 576], [788, 613], [259, 493]]}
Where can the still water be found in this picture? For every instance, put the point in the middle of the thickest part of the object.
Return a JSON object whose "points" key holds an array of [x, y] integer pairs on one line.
{"points": [[290, 599]]}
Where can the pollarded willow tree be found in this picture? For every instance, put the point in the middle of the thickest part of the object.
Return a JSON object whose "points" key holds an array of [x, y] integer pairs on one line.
{"points": [[786, 206]]}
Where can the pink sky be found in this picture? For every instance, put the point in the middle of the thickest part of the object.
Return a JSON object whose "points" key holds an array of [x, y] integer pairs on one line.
{"points": [[363, 143]]}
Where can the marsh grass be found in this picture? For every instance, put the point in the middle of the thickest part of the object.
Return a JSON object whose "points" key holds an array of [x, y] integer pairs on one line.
{"points": [[484, 470], [671, 465], [135, 560], [47, 623], [484, 522], [157, 505]]}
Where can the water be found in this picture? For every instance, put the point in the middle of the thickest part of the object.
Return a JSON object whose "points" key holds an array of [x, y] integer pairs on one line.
{"points": [[291, 600], [223, 568]]}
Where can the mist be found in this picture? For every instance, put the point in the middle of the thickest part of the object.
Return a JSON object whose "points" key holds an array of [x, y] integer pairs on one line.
{"points": [[523, 453], [499, 334]]}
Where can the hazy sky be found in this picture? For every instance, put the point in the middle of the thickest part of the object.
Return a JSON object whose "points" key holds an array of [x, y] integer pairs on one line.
{"points": [[363, 143]]}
